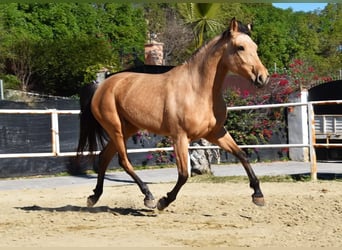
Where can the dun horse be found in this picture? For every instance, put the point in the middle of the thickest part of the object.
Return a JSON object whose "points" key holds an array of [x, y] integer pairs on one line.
{"points": [[184, 103]]}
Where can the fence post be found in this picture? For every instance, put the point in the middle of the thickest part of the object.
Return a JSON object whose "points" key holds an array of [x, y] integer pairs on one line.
{"points": [[312, 141], [55, 132], [297, 121], [1, 90]]}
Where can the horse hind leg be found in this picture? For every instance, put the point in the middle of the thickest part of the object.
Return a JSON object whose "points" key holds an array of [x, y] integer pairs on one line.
{"points": [[226, 142], [119, 137], [105, 157]]}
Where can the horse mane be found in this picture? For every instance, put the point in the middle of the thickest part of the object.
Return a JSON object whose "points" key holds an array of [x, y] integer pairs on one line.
{"points": [[218, 39]]}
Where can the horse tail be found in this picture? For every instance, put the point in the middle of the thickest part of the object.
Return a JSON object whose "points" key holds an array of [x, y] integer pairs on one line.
{"points": [[92, 135]]}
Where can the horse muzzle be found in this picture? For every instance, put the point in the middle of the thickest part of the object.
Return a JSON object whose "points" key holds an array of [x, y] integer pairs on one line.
{"points": [[261, 80]]}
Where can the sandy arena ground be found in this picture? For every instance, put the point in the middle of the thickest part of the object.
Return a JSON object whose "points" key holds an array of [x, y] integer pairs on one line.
{"points": [[297, 214]]}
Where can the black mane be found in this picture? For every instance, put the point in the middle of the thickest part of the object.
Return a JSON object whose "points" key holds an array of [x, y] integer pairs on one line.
{"points": [[244, 29], [241, 28]]}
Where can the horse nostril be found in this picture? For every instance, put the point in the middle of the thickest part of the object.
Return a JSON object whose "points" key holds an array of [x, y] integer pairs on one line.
{"points": [[261, 80]]}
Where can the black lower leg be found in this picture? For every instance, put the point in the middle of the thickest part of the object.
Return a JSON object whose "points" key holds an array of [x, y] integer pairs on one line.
{"points": [[254, 183], [165, 201], [102, 163], [92, 199], [149, 199]]}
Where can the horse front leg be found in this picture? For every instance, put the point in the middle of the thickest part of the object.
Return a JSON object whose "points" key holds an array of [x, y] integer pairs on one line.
{"points": [[181, 151], [105, 157], [224, 140]]}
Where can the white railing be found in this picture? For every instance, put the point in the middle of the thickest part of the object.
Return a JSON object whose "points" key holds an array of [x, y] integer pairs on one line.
{"points": [[55, 150]]}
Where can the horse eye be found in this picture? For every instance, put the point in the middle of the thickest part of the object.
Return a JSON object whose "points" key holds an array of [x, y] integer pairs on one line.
{"points": [[240, 48]]}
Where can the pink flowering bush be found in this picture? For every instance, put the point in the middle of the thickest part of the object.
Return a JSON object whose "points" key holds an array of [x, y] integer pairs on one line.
{"points": [[160, 157], [258, 126]]}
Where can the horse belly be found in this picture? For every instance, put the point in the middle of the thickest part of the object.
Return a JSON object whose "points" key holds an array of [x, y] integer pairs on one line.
{"points": [[143, 109], [200, 128], [144, 118], [204, 119]]}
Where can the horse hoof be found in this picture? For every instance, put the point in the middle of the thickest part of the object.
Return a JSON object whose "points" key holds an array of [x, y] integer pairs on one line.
{"points": [[259, 201], [149, 203], [91, 201], [162, 204]]}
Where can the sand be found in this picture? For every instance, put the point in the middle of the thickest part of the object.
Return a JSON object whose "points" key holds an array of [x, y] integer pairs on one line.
{"points": [[297, 214]]}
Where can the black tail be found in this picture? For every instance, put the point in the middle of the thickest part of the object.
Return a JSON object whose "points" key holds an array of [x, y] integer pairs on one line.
{"points": [[92, 135]]}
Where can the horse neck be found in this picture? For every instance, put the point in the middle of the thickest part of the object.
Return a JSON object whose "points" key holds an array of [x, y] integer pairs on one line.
{"points": [[210, 72]]}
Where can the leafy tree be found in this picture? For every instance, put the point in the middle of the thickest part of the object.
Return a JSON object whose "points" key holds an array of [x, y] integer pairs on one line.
{"points": [[241, 11], [25, 28], [50, 46], [330, 36], [17, 45], [203, 19], [20, 60], [63, 63], [124, 26], [284, 35], [271, 33]]}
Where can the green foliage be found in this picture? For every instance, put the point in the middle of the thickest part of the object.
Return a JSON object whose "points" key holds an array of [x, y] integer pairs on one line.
{"points": [[203, 18], [283, 35], [254, 126], [10, 82], [91, 72], [63, 64], [52, 47], [330, 37], [20, 58], [124, 26], [45, 44], [242, 125]]}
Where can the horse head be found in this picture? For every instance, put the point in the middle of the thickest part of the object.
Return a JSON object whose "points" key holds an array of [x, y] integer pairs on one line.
{"points": [[241, 55]]}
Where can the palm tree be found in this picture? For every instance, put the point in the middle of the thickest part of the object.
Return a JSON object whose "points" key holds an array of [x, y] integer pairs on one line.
{"points": [[203, 19]]}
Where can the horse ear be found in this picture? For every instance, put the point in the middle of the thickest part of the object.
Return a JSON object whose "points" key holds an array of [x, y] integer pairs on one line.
{"points": [[234, 26]]}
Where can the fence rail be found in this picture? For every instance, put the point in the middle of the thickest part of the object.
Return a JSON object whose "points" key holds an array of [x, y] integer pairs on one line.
{"points": [[55, 150]]}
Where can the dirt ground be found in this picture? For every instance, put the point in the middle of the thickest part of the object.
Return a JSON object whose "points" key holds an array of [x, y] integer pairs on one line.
{"points": [[204, 214]]}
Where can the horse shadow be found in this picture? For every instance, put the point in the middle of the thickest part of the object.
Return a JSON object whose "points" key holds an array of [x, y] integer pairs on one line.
{"points": [[112, 178], [101, 209]]}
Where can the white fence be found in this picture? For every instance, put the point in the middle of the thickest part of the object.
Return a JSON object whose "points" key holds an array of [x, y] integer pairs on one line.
{"points": [[55, 150]]}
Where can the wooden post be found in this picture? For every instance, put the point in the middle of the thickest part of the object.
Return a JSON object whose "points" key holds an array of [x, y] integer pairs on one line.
{"points": [[312, 141]]}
